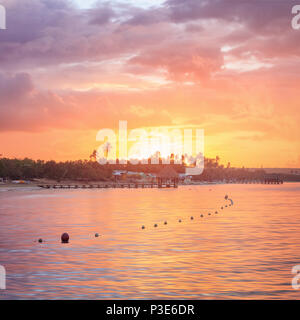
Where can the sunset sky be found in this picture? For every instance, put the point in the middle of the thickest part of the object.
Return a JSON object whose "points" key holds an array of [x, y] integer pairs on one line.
{"points": [[230, 67]]}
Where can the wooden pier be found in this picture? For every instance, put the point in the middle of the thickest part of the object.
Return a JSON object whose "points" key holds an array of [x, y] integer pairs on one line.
{"points": [[273, 181], [263, 181], [109, 185]]}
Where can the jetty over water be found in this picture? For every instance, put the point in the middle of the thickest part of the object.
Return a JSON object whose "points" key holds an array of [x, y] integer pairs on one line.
{"points": [[265, 181], [109, 185], [273, 181]]}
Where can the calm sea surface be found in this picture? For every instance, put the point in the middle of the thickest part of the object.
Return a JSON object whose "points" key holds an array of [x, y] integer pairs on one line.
{"points": [[245, 251]]}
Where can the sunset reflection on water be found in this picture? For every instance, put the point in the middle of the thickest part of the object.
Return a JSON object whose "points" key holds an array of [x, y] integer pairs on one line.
{"points": [[245, 251]]}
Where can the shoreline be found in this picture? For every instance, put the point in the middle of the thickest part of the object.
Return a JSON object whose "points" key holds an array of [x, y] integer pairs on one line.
{"points": [[35, 185]]}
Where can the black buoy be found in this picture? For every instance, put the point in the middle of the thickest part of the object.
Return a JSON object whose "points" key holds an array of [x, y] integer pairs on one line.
{"points": [[216, 212], [209, 213], [96, 235], [65, 238], [155, 226], [192, 218], [143, 227], [166, 222], [179, 220], [40, 240], [201, 216], [226, 206]]}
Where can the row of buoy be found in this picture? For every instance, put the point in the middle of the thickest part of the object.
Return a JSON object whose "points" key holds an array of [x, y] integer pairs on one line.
{"points": [[180, 220], [192, 218], [65, 238]]}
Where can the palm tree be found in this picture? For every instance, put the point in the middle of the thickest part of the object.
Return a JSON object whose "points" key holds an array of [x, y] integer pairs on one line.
{"points": [[217, 161], [106, 148], [93, 155]]}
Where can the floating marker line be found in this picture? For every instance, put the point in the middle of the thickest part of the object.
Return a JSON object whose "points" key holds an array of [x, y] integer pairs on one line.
{"points": [[192, 217]]}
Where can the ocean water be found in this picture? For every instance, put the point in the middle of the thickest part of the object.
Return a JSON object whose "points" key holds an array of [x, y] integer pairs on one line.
{"points": [[246, 251]]}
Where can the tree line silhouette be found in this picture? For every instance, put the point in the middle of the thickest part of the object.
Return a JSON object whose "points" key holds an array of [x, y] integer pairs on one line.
{"points": [[91, 170]]}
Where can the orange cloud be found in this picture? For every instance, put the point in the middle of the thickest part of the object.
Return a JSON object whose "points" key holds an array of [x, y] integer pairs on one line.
{"points": [[219, 65]]}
